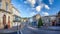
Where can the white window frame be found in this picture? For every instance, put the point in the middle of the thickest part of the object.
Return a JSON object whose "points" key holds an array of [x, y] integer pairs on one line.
{"points": [[6, 6]]}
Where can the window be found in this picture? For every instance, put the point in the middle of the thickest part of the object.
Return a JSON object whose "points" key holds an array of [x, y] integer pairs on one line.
{"points": [[59, 19], [0, 3], [6, 6]]}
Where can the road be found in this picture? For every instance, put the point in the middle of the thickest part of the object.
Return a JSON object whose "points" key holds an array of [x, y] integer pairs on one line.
{"points": [[30, 30], [27, 29]]}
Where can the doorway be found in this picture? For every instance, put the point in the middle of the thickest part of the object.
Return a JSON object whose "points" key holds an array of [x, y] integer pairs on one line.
{"points": [[8, 21], [4, 19]]}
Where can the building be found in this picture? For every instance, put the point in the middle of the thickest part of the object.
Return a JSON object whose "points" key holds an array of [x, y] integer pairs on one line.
{"points": [[16, 17], [35, 19], [52, 20], [58, 18], [24, 19], [48, 20], [9, 15], [5, 13]]}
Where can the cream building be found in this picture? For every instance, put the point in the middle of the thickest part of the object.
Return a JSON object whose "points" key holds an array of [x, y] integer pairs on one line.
{"points": [[5, 13], [24, 19], [16, 17]]}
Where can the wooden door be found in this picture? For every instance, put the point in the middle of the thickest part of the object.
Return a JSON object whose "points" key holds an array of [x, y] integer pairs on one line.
{"points": [[8, 21], [4, 19]]}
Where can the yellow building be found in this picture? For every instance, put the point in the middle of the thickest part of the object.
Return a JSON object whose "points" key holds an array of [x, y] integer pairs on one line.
{"points": [[36, 17], [5, 13], [24, 19]]}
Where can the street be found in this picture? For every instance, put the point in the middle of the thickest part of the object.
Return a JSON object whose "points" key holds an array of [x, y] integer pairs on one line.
{"points": [[29, 16], [31, 30], [27, 29]]}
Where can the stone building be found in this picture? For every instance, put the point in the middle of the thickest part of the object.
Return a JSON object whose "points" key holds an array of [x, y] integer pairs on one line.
{"points": [[5, 13]]}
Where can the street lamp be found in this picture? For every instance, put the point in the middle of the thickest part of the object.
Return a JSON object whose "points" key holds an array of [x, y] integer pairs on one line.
{"points": [[18, 26]]}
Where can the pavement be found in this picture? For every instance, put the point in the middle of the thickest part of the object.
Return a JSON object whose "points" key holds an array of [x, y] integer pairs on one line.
{"points": [[52, 28], [11, 30]]}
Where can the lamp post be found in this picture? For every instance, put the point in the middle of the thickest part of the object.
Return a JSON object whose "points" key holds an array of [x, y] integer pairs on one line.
{"points": [[17, 29]]}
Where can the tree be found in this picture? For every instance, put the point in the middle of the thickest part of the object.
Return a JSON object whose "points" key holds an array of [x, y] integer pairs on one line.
{"points": [[40, 23]]}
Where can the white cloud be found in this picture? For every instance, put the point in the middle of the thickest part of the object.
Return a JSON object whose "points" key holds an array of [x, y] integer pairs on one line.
{"points": [[40, 1], [47, 7], [45, 13], [32, 2], [33, 13], [51, 1], [25, 2], [38, 8]]}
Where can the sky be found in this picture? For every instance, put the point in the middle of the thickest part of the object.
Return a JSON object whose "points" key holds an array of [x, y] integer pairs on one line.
{"points": [[29, 8]]}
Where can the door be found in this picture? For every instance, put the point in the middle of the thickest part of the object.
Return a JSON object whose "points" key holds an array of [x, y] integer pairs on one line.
{"points": [[8, 21], [4, 19]]}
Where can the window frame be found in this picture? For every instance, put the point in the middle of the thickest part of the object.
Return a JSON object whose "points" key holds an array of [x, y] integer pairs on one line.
{"points": [[6, 6], [0, 4]]}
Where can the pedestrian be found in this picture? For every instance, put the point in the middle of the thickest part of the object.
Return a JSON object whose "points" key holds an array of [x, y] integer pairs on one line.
{"points": [[6, 26], [20, 25]]}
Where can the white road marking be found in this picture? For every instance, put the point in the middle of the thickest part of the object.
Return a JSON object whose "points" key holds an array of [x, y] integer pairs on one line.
{"points": [[32, 28], [21, 32]]}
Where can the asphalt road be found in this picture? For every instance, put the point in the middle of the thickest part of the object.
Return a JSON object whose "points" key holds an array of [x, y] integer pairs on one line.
{"points": [[30, 30]]}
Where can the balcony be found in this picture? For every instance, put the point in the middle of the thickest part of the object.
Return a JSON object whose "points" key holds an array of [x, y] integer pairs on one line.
{"points": [[5, 11]]}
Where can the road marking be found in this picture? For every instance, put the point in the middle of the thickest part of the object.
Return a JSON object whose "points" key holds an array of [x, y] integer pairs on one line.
{"points": [[32, 28], [17, 32], [21, 32]]}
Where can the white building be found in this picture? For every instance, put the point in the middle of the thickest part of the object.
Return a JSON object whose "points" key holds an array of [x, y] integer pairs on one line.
{"points": [[48, 20]]}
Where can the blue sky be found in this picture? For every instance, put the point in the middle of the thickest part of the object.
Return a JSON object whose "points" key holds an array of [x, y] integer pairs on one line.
{"points": [[30, 8]]}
